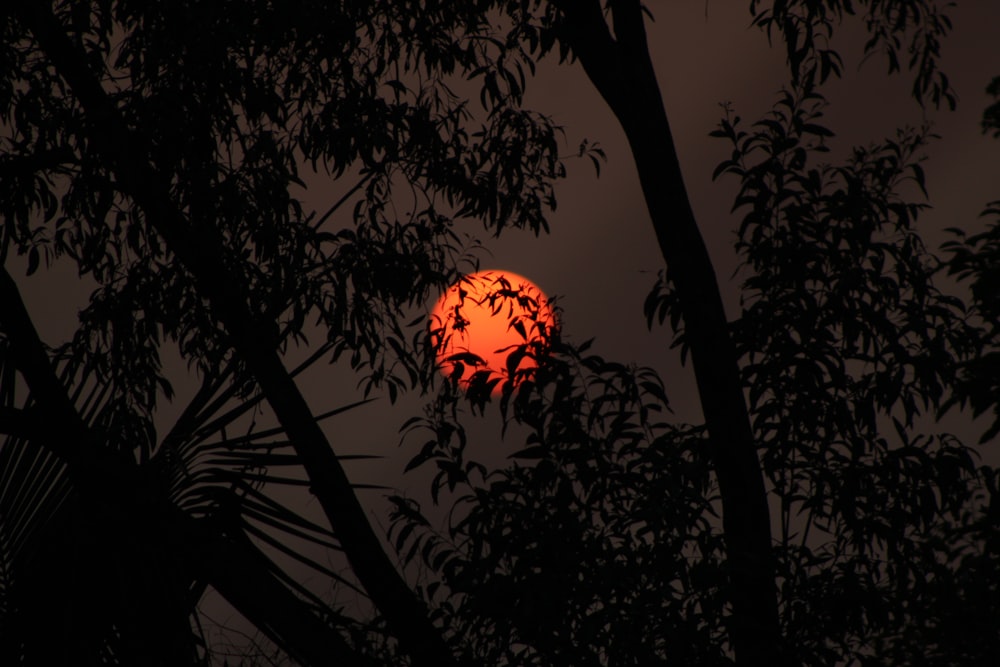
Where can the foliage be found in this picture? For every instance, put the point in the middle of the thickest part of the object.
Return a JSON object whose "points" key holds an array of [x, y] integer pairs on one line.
{"points": [[917, 27], [847, 345], [975, 259], [991, 117], [601, 542], [226, 102], [595, 546], [259, 103], [885, 528], [866, 344]]}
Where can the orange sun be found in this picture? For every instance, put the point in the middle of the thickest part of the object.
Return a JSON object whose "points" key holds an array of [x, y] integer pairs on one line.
{"points": [[480, 321]]}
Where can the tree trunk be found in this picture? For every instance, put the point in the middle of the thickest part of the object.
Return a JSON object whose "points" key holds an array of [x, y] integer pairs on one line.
{"points": [[621, 70]]}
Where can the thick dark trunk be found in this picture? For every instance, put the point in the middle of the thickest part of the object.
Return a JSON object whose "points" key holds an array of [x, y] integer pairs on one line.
{"points": [[199, 249], [621, 70]]}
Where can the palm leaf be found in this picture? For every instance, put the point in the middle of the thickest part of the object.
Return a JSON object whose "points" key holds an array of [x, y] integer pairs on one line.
{"points": [[213, 473]]}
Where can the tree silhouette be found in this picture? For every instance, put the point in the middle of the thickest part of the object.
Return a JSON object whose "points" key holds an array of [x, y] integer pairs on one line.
{"points": [[844, 341], [176, 148], [157, 145]]}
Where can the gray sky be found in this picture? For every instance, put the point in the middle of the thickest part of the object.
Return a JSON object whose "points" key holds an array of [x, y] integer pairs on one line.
{"points": [[601, 257]]}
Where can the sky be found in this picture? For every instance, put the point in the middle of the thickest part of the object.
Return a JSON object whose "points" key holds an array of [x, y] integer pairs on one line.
{"points": [[601, 258]]}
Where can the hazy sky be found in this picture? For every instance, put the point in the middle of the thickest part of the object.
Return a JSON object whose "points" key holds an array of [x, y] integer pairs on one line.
{"points": [[601, 257]]}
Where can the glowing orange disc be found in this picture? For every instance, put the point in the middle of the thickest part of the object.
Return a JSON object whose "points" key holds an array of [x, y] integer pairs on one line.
{"points": [[478, 322]]}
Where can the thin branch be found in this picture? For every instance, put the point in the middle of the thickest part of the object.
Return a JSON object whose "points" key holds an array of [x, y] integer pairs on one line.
{"points": [[340, 202]]}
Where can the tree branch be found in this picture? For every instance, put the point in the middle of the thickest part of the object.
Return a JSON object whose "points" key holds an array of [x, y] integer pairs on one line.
{"points": [[630, 29], [32, 362], [17, 422]]}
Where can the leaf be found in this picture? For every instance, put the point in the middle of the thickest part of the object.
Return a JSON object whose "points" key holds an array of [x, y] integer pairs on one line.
{"points": [[918, 175], [536, 452], [33, 260]]}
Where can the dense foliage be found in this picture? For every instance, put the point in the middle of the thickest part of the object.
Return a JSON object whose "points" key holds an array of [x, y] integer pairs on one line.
{"points": [[164, 148], [885, 526]]}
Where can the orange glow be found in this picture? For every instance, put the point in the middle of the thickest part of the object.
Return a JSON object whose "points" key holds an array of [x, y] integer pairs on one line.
{"points": [[477, 321]]}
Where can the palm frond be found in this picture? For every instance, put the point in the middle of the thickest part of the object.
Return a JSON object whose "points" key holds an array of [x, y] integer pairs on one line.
{"points": [[212, 472]]}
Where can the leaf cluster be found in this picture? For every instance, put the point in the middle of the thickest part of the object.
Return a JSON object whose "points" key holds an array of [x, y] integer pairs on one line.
{"points": [[915, 28], [227, 102], [975, 259], [599, 544], [848, 349], [231, 100]]}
